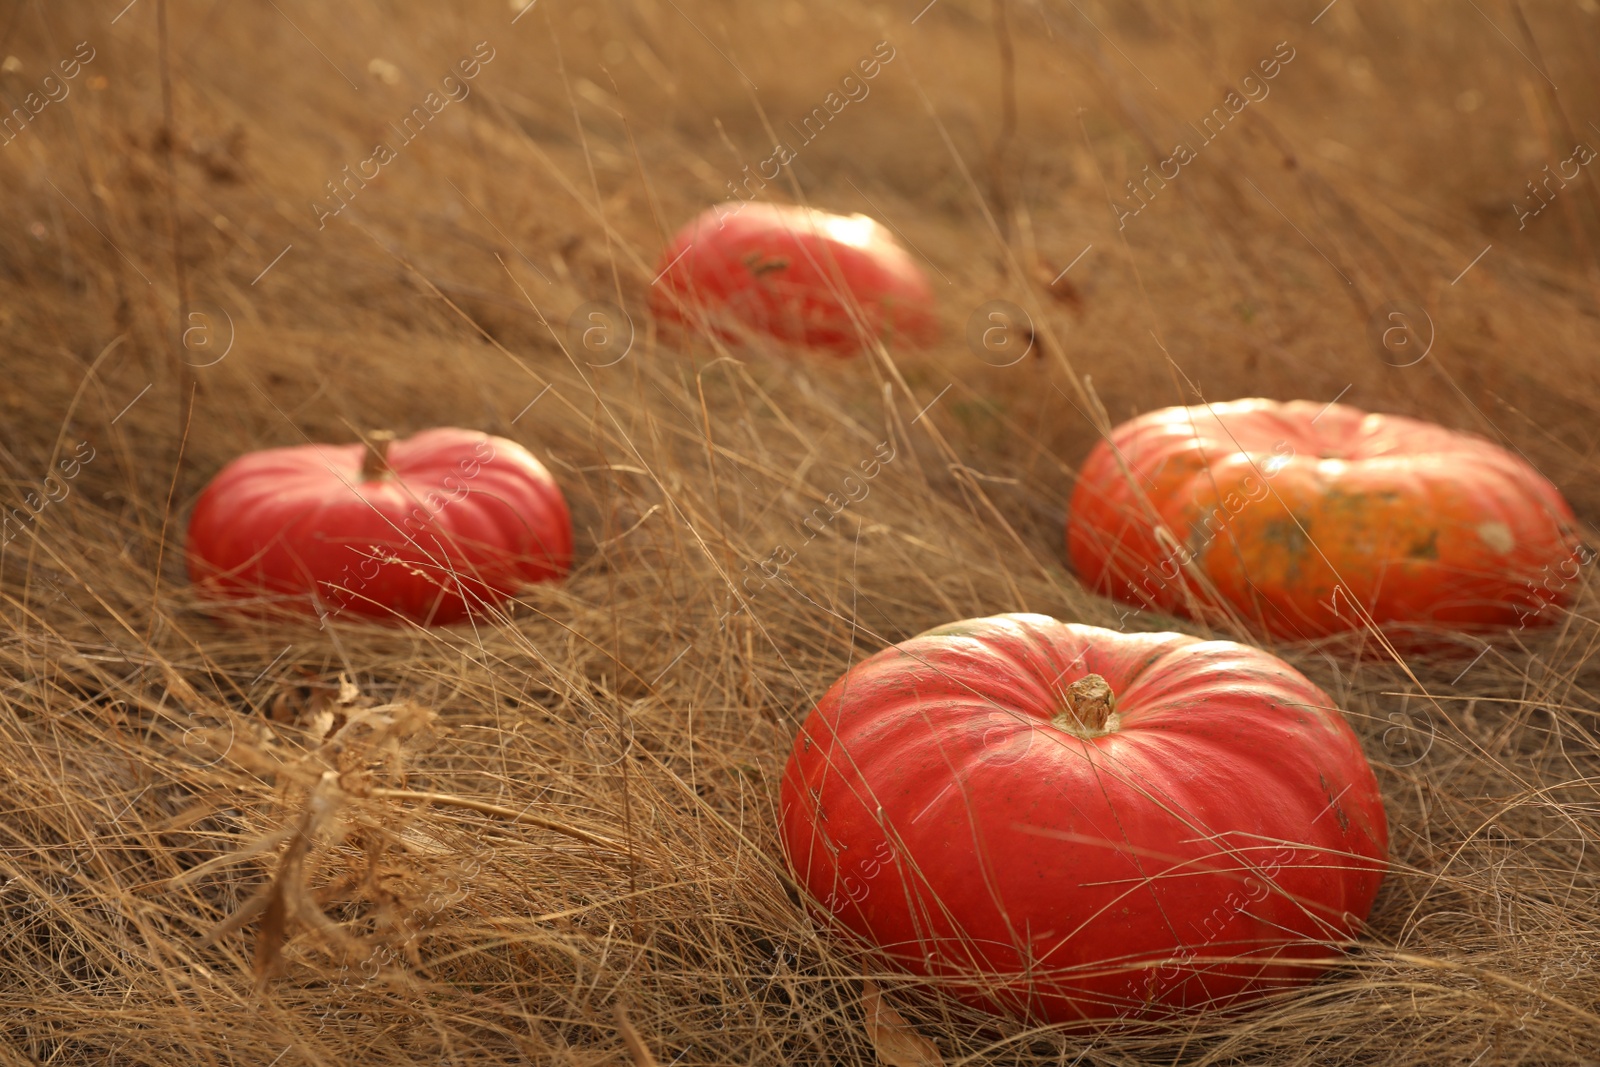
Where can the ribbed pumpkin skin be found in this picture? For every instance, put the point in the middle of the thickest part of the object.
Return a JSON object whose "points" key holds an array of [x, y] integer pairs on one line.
{"points": [[804, 277], [475, 514], [1278, 504], [932, 808]]}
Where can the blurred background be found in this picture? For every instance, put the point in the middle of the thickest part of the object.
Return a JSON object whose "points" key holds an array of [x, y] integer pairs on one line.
{"points": [[230, 226]]}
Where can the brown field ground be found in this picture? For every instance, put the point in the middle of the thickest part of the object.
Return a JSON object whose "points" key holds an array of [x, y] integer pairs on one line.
{"points": [[155, 760]]}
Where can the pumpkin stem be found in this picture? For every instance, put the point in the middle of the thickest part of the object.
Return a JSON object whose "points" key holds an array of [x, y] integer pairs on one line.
{"points": [[1091, 708], [375, 464]]}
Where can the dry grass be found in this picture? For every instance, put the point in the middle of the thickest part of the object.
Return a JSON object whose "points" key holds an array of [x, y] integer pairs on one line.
{"points": [[165, 771]]}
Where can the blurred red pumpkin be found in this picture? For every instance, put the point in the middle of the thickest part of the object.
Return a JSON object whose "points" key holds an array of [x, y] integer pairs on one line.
{"points": [[1073, 824], [795, 274], [431, 529], [1306, 518]]}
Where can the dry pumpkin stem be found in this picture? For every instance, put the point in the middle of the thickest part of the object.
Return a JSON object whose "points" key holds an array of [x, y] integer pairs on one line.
{"points": [[375, 462], [1089, 708], [548, 836]]}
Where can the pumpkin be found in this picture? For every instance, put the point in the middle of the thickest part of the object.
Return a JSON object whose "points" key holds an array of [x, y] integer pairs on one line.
{"points": [[430, 529], [1072, 824], [1303, 520], [800, 276]]}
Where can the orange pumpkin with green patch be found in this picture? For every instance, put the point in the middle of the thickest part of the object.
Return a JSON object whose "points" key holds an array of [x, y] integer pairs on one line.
{"points": [[1302, 520]]}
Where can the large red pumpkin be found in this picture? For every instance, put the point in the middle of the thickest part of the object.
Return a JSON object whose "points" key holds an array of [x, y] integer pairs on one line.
{"points": [[1070, 823], [1305, 519], [430, 529], [802, 276]]}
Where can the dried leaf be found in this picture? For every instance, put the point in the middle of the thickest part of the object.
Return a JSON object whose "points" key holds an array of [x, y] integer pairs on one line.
{"points": [[229, 859], [271, 935], [349, 692], [336, 775], [286, 898], [319, 705], [893, 1039], [283, 706], [323, 710], [322, 724]]}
